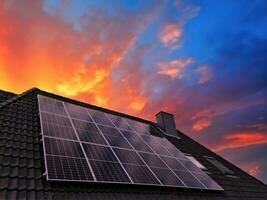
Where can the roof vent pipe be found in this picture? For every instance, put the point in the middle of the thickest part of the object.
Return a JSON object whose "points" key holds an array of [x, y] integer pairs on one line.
{"points": [[166, 122]]}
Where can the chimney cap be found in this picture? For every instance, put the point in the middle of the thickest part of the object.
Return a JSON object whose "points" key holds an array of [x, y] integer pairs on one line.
{"points": [[163, 112]]}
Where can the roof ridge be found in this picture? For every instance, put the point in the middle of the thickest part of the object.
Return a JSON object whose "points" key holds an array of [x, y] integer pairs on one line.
{"points": [[11, 100]]}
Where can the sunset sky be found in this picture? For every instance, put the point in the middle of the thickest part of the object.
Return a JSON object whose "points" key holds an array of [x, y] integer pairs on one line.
{"points": [[203, 61]]}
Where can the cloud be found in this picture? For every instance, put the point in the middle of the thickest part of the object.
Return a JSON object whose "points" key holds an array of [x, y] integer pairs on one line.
{"points": [[170, 34], [202, 124], [205, 74], [241, 139], [251, 158], [174, 68], [255, 171], [45, 50]]}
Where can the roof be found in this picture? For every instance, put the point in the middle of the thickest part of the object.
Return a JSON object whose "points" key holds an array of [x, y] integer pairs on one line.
{"points": [[4, 95], [22, 164]]}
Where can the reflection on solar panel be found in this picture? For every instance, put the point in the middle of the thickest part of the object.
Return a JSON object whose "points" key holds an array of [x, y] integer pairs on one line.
{"points": [[87, 145]]}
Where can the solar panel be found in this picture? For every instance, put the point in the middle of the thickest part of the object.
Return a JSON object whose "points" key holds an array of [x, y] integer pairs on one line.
{"points": [[87, 145]]}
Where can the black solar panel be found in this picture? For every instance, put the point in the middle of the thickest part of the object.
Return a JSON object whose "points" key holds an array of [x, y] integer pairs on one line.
{"points": [[118, 141], [82, 144], [119, 122], [78, 112], [152, 160], [167, 177], [88, 132], [100, 117], [109, 171], [128, 157], [95, 152], [66, 168], [154, 143], [141, 174], [189, 180], [137, 143], [63, 147]]}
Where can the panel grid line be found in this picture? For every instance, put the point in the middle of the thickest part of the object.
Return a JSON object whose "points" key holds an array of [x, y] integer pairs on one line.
{"points": [[135, 150], [161, 160], [40, 117], [113, 149], [89, 165], [191, 173], [109, 146]]}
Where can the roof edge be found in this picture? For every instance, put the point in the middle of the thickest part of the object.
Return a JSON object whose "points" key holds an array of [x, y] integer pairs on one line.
{"points": [[1, 90], [11, 100]]}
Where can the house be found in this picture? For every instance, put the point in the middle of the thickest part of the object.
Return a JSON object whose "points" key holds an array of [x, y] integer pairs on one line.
{"points": [[32, 166]]}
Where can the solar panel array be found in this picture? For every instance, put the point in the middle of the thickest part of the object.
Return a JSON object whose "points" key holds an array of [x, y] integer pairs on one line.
{"points": [[83, 144]]}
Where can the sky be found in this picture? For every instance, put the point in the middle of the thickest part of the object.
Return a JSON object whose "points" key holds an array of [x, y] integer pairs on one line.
{"points": [[203, 61]]}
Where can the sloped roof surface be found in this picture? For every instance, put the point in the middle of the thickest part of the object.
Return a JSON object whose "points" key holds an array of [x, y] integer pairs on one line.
{"points": [[5, 95], [22, 166]]}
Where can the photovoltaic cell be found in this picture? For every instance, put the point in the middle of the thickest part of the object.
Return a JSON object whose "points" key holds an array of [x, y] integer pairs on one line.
{"points": [[173, 163], [88, 132], [119, 122], [100, 117], [139, 127], [117, 141], [95, 152], [207, 181], [82, 144], [63, 147], [141, 174], [189, 179], [57, 126], [109, 171], [110, 131], [63, 168], [191, 166], [167, 177], [171, 148], [51, 106], [137, 143], [152, 160], [128, 157], [154, 143], [78, 112]]}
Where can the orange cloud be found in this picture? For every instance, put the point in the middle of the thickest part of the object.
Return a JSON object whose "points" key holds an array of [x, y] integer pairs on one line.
{"points": [[241, 139], [170, 34], [201, 124], [174, 68], [202, 119], [43, 50]]}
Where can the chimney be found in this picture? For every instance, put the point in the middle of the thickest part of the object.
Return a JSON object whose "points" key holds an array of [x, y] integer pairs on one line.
{"points": [[166, 122]]}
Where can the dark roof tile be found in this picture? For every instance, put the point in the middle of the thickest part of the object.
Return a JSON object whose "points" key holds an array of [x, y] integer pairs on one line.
{"points": [[31, 195], [22, 185], [3, 193], [5, 171], [12, 184], [11, 195], [14, 172], [4, 183], [22, 172], [22, 195], [31, 184]]}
